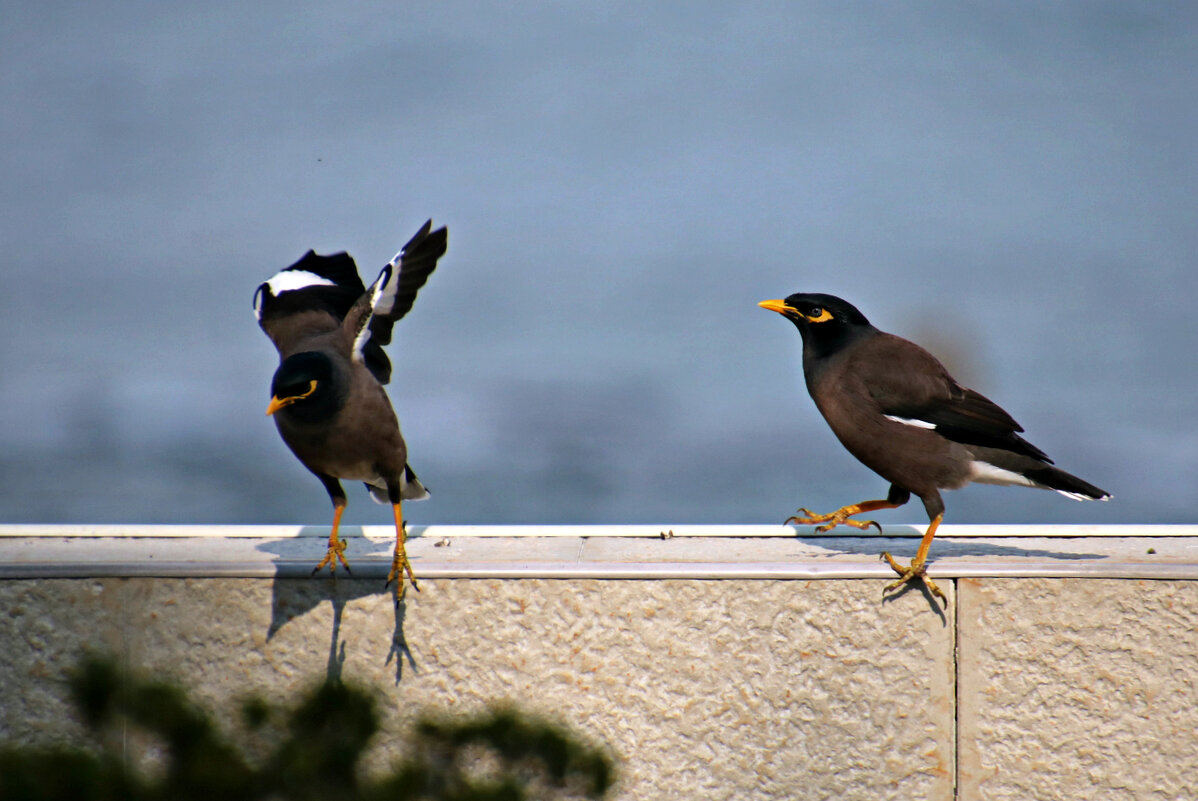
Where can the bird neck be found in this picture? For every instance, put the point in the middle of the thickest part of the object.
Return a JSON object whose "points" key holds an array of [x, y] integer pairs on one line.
{"points": [[819, 351], [322, 407]]}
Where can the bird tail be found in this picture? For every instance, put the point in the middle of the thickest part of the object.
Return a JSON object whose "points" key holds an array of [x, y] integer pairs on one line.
{"points": [[1001, 466], [1067, 484], [412, 490]]}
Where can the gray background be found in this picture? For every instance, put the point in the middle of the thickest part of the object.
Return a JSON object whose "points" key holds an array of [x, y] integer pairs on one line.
{"points": [[1012, 185]]}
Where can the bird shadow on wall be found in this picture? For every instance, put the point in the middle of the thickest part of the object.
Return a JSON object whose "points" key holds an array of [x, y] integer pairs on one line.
{"points": [[944, 546], [295, 592], [912, 586], [903, 548]]}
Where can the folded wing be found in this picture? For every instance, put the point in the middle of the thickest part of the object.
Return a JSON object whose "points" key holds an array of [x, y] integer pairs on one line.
{"points": [[928, 397]]}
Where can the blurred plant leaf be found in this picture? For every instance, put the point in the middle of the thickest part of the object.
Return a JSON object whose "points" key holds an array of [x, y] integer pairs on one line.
{"points": [[502, 755]]}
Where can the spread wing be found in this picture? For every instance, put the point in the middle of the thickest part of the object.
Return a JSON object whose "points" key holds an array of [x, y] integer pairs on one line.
{"points": [[391, 296], [910, 386], [310, 297]]}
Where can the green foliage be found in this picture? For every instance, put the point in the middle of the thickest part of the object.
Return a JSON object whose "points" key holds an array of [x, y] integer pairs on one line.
{"points": [[313, 755]]}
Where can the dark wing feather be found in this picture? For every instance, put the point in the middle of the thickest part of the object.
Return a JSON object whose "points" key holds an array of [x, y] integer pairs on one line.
{"points": [[313, 286], [392, 294], [337, 267], [909, 383], [401, 279]]}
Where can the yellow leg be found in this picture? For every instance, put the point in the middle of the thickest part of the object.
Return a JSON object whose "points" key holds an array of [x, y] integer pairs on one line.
{"points": [[336, 551], [399, 562], [841, 515], [917, 568]]}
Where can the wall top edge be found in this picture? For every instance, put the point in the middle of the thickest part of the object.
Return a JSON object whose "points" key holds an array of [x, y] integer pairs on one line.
{"points": [[450, 555], [655, 531]]}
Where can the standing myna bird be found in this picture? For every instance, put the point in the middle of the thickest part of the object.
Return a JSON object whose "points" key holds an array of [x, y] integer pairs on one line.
{"points": [[327, 398], [896, 408]]}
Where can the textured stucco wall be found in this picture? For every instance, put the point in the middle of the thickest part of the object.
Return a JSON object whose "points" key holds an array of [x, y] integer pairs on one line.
{"points": [[703, 689], [1068, 688], [1078, 688]]}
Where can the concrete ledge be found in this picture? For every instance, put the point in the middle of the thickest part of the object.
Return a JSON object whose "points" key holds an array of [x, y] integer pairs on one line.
{"points": [[600, 552], [1049, 674]]}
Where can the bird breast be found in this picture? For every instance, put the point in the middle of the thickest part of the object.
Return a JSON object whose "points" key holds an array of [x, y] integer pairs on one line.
{"points": [[361, 442], [913, 457]]}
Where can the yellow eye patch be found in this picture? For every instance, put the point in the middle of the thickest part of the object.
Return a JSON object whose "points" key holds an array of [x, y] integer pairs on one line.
{"points": [[277, 403], [821, 316], [311, 389]]}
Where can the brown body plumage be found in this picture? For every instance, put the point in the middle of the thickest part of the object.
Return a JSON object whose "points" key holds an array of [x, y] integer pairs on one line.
{"points": [[895, 407], [328, 399], [361, 440]]}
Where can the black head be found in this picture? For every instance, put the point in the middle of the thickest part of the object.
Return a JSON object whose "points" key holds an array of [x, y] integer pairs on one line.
{"points": [[305, 386], [826, 322]]}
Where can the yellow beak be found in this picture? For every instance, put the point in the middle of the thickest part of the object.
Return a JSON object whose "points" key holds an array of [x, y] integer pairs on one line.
{"points": [[777, 306], [277, 403]]}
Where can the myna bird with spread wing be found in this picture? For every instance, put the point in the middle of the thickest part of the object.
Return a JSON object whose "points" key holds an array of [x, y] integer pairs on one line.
{"points": [[327, 396]]}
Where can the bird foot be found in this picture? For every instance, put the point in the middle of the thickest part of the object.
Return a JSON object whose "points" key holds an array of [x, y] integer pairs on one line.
{"points": [[831, 520], [335, 554], [400, 565], [917, 569]]}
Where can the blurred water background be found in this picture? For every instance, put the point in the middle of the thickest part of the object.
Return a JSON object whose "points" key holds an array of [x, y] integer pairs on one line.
{"points": [[1014, 185]]}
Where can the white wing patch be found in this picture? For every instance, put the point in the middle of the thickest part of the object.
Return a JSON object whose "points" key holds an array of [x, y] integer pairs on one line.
{"points": [[382, 299], [361, 340], [286, 281], [291, 280], [909, 421]]}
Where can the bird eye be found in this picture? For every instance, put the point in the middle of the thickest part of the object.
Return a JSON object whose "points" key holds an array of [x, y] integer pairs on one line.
{"points": [[816, 311]]}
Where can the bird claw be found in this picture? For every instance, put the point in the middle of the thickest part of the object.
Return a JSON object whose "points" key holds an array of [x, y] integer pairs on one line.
{"points": [[335, 554], [808, 517], [915, 570], [830, 520], [399, 566], [858, 524]]}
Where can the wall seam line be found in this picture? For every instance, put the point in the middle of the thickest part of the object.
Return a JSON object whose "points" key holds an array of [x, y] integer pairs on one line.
{"points": [[956, 690]]}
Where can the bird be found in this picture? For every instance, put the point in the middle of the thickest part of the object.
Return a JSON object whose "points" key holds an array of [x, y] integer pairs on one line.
{"points": [[327, 395], [895, 407]]}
